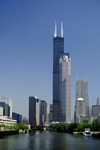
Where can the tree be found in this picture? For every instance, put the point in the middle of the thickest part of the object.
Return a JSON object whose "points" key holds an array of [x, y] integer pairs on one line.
{"points": [[62, 127], [96, 125], [85, 121], [72, 127]]}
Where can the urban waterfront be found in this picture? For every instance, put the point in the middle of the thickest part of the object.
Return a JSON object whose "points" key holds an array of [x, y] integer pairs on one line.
{"points": [[46, 140]]}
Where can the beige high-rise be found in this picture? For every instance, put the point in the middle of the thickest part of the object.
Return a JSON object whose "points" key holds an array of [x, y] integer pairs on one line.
{"points": [[65, 88]]}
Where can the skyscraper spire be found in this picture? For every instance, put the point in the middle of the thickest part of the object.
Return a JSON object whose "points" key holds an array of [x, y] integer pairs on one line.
{"points": [[86, 76], [77, 77], [61, 29], [55, 32]]}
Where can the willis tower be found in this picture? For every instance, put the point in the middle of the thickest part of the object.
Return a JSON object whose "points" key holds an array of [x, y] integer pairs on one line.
{"points": [[58, 51]]}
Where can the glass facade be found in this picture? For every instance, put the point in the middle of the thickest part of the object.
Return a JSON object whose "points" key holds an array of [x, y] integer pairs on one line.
{"points": [[32, 110], [6, 109], [8, 101], [17, 117], [58, 50], [43, 112]]}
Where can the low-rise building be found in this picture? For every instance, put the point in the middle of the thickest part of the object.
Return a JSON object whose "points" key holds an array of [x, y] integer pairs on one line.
{"points": [[24, 120], [17, 117], [81, 118], [5, 120]]}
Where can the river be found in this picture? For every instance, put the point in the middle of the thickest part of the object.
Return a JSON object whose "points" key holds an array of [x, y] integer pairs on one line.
{"points": [[46, 140]]}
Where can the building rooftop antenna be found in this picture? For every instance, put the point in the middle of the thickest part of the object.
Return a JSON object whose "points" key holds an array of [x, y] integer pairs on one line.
{"points": [[55, 31], [86, 76], [61, 29], [77, 77]]}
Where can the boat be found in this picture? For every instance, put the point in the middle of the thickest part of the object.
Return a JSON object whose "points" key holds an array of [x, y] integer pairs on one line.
{"points": [[87, 132]]}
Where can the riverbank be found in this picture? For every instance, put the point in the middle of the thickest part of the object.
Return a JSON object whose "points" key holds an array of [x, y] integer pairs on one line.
{"points": [[12, 132], [94, 134], [77, 132]]}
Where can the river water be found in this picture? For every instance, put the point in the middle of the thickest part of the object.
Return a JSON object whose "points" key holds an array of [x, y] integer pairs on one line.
{"points": [[46, 140]]}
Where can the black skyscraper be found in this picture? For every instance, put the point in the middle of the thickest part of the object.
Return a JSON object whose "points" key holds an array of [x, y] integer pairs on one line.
{"points": [[32, 110], [58, 51]]}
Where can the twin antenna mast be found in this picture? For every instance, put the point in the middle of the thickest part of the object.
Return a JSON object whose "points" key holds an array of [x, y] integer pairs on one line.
{"points": [[55, 31]]}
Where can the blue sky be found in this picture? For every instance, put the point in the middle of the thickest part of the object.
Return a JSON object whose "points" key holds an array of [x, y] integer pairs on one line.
{"points": [[26, 47]]}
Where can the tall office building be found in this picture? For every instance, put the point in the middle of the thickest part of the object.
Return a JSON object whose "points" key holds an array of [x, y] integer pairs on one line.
{"points": [[98, 101], [96, 110], [82, 92], [34, 111], [8, 101], [51, 113], [90, 111], [65, 88], [58, 52], [37, 111], [80, 104], [43, 112]]}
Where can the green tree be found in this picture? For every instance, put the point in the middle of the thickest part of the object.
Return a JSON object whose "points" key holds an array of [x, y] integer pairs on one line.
{"points": [[61, 127], [96, 125], [85, 121], [72, 127]]}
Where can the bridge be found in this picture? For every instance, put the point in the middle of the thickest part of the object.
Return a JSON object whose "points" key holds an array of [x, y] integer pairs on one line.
{"points": [[42, 127]]}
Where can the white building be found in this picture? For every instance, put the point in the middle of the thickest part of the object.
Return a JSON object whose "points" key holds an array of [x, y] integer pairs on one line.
{"points": [[65, 87], [37, 111], [5, 120], [1, 111], [80, 106], [82, 91], [8, 101]]}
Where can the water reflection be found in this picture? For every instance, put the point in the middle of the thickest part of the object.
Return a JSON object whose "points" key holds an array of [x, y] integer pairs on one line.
{"points": [[45, 140]]}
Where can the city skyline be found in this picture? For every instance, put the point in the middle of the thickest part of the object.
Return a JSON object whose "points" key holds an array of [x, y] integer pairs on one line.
{"points": [[26, 48]]}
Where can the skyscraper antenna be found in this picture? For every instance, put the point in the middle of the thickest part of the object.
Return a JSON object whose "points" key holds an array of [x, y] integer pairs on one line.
{"points": [[61, 29], [86, 76], [77, 77], [55, 31]]}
